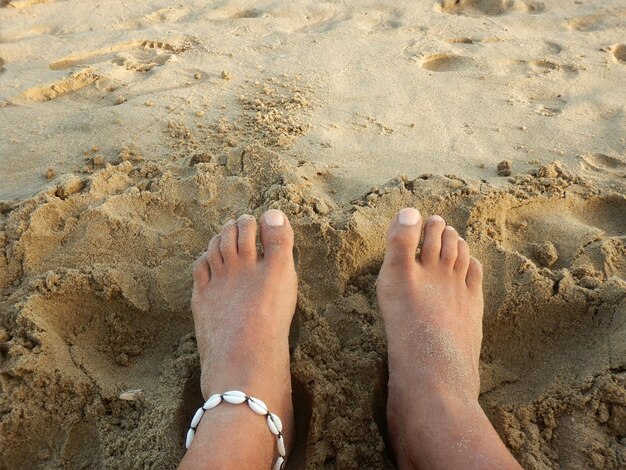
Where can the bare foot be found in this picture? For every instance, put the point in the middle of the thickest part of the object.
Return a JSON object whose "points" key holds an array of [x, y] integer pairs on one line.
{"points": [[432, 306], [242, 304]]}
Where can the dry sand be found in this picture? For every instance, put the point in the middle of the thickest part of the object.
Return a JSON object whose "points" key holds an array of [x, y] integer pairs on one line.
{"points": [[131, 130]]}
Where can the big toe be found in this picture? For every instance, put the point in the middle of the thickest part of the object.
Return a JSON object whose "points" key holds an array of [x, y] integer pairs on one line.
{"points": [[403, 236], [276, 236]]}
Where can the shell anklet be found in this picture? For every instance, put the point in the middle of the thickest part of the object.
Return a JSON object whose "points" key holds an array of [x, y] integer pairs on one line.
{"points": [[236, 397]]}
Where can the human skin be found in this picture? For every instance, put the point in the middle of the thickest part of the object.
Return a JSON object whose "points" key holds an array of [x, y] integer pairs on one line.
{"points": [[432, 307], [243, 303]]}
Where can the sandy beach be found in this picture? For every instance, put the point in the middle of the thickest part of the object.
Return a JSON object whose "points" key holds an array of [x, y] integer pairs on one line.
{"points": [[130, 131]]}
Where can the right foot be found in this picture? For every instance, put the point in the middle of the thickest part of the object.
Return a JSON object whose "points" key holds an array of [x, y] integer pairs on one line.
{"points": [[432, 306]]}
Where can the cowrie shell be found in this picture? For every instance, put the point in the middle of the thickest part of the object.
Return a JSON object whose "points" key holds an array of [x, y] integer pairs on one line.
{"points": [[131, 395], [235, 397], [197, 417], [279, 463], [258, 406], [270, 424], [278, 424], [190, 435], [281, 446], [212, 402]]}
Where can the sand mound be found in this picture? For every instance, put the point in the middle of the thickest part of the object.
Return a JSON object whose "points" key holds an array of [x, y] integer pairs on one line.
{"points": [[96, 281]]}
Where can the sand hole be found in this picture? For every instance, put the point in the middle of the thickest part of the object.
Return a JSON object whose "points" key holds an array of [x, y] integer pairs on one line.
{"points": [[619, 53], [303, 408], [571, 340], [445, 62], [103, 339], [191, 400], [572, 226]]}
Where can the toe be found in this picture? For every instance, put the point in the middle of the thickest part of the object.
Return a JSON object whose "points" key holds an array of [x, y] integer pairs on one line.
{"points": [[462, 258], [403, 236], [214, 255], [431, 248], [201, 273], [449, 246], [474, 276], [246, 239], [228, 242], [276, 236]]}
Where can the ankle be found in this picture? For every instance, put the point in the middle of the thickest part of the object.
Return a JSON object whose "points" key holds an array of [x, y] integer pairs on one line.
{"points": [[274, 392], [240, 439], [430, 409], [436, 421]]}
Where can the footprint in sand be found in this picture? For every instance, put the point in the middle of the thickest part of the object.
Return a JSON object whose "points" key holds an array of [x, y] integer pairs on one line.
{"points": [[21, 3], [541, 67], [545, 65], [489, 7], [151, 54], [74, 82], [461, 40], [545, 103], [618, 51], [140, 56], [445, 62], [604, 163], [586, 23], [170, 14], [252, 13], [610, 171], [552, 48]]}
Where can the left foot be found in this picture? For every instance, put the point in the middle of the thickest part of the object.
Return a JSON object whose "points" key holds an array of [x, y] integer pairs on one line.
{"points": [[242, 305]]}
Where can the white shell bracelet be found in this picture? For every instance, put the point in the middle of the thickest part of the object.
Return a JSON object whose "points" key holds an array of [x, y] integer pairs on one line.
{"points": [[236, 397]]}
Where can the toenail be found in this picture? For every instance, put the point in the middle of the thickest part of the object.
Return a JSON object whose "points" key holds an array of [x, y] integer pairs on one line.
{"points": [[274, 218], [436, 218], [245, 217], [451, 228], [408, 216], [229, 222]]}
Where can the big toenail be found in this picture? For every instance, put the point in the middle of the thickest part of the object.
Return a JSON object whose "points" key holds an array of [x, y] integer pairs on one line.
{"points": [[274, 218], [408, 216]]}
